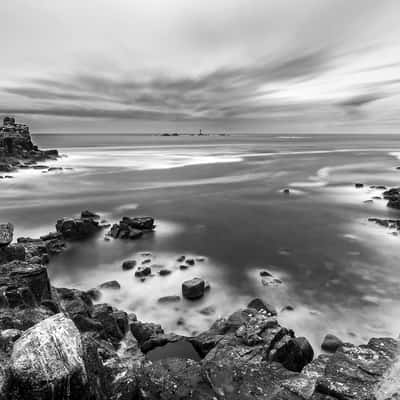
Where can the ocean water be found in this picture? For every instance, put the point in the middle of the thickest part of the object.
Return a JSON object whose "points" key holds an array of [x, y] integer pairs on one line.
{"points": [[220, 200]]}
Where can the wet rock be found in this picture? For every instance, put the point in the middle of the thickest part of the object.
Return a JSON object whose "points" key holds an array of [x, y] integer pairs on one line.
{"points": [[183, 267], [164, 272], [294, 354], [114, 322], [74, 302], [207, 310], [193, 289], [128, 265], [331, 343], [47, 361], [190, 261], [89, 214], [143, 331], [93, 294], [114, 285], [24, 284], [264, 274], [169, 299], [146, 261], [286, 191], [131, 228], [140, 223], [77, 228], [359, 185], [181, 259], [259, 304], [143, 271], [6, 234]]}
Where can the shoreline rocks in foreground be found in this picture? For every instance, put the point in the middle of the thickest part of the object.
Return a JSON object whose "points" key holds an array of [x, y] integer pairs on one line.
{"points": [[55, 343]]}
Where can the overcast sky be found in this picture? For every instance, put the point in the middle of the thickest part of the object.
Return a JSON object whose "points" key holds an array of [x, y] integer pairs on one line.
{"points": [[221, 65]]}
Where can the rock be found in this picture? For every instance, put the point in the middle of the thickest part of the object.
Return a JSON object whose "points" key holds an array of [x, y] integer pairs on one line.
{"points": [[24, 284], [146, 261], [181, 259], [140, 223], [193, 288], [331, 343], [94, 294], [207, 310], [114, 285], [294, 354], [143, 331], [89, 214], [259, 304], [6, 234], [394, 203], [265, 274], [164, 272], [169, 299], [78, 228], [286, 191], [142, 272], [114, 322], [359, 185], [128, 265], [183, 267], [190, 261], [47, 361]]}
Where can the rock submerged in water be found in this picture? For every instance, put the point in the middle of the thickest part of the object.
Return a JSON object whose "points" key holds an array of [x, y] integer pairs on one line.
{"points": [[114, 285], [132, 228], [259, 305], [128, 265], [77, 228], [143, 271], [193, 289]]}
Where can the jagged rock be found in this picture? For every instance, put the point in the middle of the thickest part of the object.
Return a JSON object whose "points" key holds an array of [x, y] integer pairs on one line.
{"points": [[259, 304], [74, 302], [47, 362], [6, 234], [142, 272], [140, 223], [89, 214], [77, 228], [331, 343], [143, 331], [193, 289], [94, 294], [114, 322], [114, 285], [23, 284]]}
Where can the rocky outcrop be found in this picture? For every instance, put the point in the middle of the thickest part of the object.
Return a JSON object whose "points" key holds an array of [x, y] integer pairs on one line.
{"points": [[77, 228], [17, 149], [47, 362], [6, 234], [132, 228]]}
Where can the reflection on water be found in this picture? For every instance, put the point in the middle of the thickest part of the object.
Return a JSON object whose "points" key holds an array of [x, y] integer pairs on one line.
{"points": [[221, 199]]}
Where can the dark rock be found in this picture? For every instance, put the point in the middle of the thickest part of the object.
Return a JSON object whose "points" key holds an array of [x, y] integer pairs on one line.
{"points": [[24, 284], [294, 354], [190, 261], [94, 294], [78, 228], [89, 214], [110, 320], [142, 272], [143, 331], [265, 274], [128, 265], [51, 305], [259, 304], [331, 343], [359, 185], [169, 299], [6, 234], [164, 272], [114, 285], [207, 310], [183, 267], [193, 288], [140, 223], [286, 191], [181, 259]]}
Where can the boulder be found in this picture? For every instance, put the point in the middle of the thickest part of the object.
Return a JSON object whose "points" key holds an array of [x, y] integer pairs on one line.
{"points": [[114, 285], [89, 214], [331, 343], [140, 223], [77, 228], [143, 331], [359, 185], [259, 304], [23, 284], [143, 271], [164, 272], [6, 234], [193, 289], [294, 354], [128, 265], [47, 362]]}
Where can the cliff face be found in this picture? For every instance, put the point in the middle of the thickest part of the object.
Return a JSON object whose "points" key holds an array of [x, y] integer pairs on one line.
{"points": [[17, 148]]}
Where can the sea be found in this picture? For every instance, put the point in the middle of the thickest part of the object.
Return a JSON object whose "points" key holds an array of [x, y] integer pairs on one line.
{"points": [[221, 201]]}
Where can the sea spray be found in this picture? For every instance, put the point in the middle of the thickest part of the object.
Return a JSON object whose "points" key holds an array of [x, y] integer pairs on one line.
{"points": [[389, 388]]}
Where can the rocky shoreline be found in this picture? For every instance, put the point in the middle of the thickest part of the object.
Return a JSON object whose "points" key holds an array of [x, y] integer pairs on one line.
{"points": [[64, 343], [17, 151], [61, 343]]}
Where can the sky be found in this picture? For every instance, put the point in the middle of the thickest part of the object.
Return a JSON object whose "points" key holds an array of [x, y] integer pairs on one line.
{"points": [[314, 66]]}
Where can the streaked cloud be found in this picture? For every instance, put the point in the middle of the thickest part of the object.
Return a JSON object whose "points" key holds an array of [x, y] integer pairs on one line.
{"points": [[224, 64]]}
